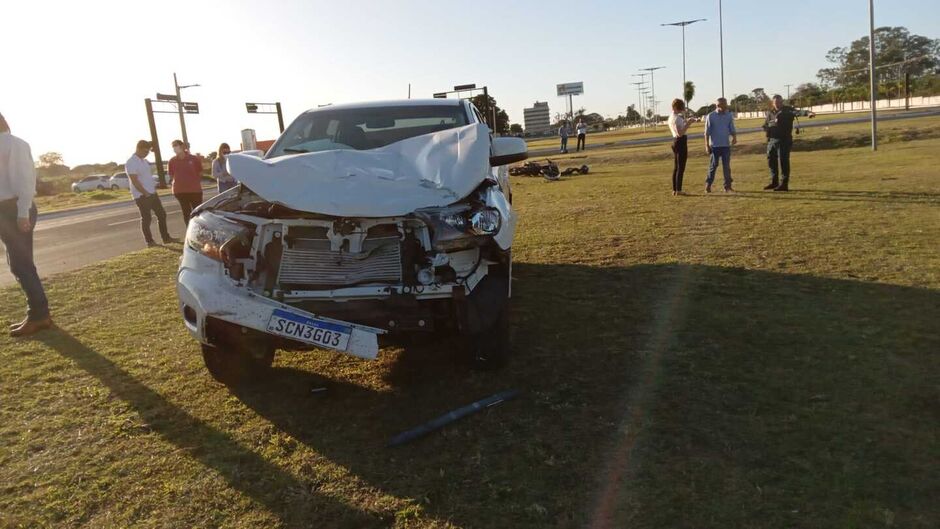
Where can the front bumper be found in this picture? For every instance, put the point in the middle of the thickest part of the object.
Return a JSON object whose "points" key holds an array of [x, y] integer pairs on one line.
{"points": [[205, 292]]}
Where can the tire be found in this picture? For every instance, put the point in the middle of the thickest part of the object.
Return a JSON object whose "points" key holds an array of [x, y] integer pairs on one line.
{"points": [[100, 188], [115, 187], [235, 366], [490, 350]]}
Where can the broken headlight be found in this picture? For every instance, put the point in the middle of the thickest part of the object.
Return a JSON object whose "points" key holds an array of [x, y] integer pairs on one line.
{"points": [[460, 227], [211, 235]]}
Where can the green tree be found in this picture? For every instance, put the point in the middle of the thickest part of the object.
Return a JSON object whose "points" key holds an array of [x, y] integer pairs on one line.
{"points": [[486, 105], [892, 45], [807, 95], [515, 128], [688, 92], [632, 115]]}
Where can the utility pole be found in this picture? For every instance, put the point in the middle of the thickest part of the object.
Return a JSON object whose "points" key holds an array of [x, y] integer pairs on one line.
{"points": [[871, 73], [653, 84], [639, 95], [788, 92], [721, 48], [179, 106], [683, 24], [155, 144]]}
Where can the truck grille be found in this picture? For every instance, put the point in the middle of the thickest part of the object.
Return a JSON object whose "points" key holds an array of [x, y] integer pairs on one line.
{"points": [[315, 265]]}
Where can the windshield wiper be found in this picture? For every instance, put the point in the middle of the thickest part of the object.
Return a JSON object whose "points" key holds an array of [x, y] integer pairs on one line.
{"points": [[295, 150]]}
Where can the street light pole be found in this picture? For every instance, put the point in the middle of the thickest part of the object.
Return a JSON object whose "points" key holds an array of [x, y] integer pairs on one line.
{"points": [[653, 84], [683, 24], [179, 105], [721, 48], [871, 73]]}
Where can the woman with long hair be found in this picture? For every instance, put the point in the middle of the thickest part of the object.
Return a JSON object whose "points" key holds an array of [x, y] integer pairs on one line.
{"points": [[679, 125], [224, 180]]}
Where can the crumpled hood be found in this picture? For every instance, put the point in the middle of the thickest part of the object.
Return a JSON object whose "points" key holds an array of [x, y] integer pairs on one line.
{"points": [[434, 169]]}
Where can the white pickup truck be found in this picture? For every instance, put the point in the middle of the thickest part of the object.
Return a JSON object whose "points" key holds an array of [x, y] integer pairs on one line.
{"points": [[384, 218]]}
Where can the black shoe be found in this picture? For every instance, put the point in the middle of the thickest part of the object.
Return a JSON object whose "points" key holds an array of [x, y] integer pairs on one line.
{"points": [[772, 185], [171, 240], [782, 187], [708, 188], [151, 244]]}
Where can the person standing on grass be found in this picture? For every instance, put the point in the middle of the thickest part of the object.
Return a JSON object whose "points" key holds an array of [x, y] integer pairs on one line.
{"points": [[678, 125], [186, 171], [779, 128], [581, 127], [563, 133], [17, 220], [144, 193], [720, 135], [220, 171]]}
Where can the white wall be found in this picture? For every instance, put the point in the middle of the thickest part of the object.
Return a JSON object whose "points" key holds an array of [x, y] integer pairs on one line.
{"points": [[859, 106]]}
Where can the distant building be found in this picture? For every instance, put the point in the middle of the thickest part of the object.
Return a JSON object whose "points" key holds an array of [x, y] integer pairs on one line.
{"points": [[537, 118]]}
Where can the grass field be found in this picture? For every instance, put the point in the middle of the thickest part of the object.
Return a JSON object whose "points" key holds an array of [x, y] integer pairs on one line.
{"points": [[595, 138], [757, 360]]}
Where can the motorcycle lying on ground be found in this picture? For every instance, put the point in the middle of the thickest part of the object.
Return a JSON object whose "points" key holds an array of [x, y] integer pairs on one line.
{"points": [[549, 170]]}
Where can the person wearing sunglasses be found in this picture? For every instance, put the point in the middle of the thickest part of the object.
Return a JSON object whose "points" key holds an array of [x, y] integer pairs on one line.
{"points": [[220, 172]]}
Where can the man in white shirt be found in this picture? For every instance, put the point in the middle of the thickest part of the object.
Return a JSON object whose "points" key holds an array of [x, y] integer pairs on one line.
{"points": [[582, 133], [144, 190], [17, 220]]}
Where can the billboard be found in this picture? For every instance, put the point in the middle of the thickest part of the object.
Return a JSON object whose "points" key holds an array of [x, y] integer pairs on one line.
{"points": [[574, 89]]}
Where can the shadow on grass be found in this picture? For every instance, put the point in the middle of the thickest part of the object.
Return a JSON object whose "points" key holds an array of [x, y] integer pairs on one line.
{"points": [[779, 401], [777, 393], [242, 468]]}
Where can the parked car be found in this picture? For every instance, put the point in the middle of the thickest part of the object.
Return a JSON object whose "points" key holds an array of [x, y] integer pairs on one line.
{"points": [[389, 218], [119, 181], [91, 183]]}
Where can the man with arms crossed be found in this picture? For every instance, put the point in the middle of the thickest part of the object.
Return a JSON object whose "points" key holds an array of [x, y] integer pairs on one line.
{"points": [[719, 137], [144, 191], [17, 220]]}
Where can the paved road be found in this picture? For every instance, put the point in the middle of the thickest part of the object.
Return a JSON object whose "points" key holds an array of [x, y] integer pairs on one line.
{"points": [[805, 123], [68, 240]]}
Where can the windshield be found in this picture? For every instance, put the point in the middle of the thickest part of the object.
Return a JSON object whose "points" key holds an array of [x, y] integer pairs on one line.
{"points": [[365, 128]]}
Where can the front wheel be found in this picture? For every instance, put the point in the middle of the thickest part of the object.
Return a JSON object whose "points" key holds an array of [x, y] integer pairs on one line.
{"points": [[490, 350], [115, 187], [100, 188], [237, 365]]}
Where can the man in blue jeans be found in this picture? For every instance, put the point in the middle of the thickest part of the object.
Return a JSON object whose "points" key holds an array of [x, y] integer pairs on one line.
{"points": [[17, 220], [720, 135]]}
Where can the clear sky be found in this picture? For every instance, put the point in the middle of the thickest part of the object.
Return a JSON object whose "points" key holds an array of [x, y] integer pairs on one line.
{"points": [[75, 73]]}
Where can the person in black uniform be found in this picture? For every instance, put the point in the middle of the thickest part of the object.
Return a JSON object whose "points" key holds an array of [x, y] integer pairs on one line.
{"points": [[779, 128]]}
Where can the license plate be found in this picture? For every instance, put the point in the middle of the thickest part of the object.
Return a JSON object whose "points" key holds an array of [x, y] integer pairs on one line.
{"points": [[309, 330]]}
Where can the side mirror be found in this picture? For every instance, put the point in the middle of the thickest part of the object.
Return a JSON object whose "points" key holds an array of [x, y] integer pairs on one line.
{"points": [[508, 150]]}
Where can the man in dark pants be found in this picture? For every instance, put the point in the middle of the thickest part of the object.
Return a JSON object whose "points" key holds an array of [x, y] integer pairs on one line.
{"points": [[779, 128], [186, 171], [144, 191], [17, 220]]}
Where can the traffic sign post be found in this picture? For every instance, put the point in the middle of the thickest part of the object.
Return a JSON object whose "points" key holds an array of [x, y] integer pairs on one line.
{"points": [[254, 108]]}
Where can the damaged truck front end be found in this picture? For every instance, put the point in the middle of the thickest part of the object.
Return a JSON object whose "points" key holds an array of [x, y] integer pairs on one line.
{"points": [[261, 273]]}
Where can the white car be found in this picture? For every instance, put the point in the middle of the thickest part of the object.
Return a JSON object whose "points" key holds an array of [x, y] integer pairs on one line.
{"points": [[91, 183], [361, 220], [119, 181]]}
